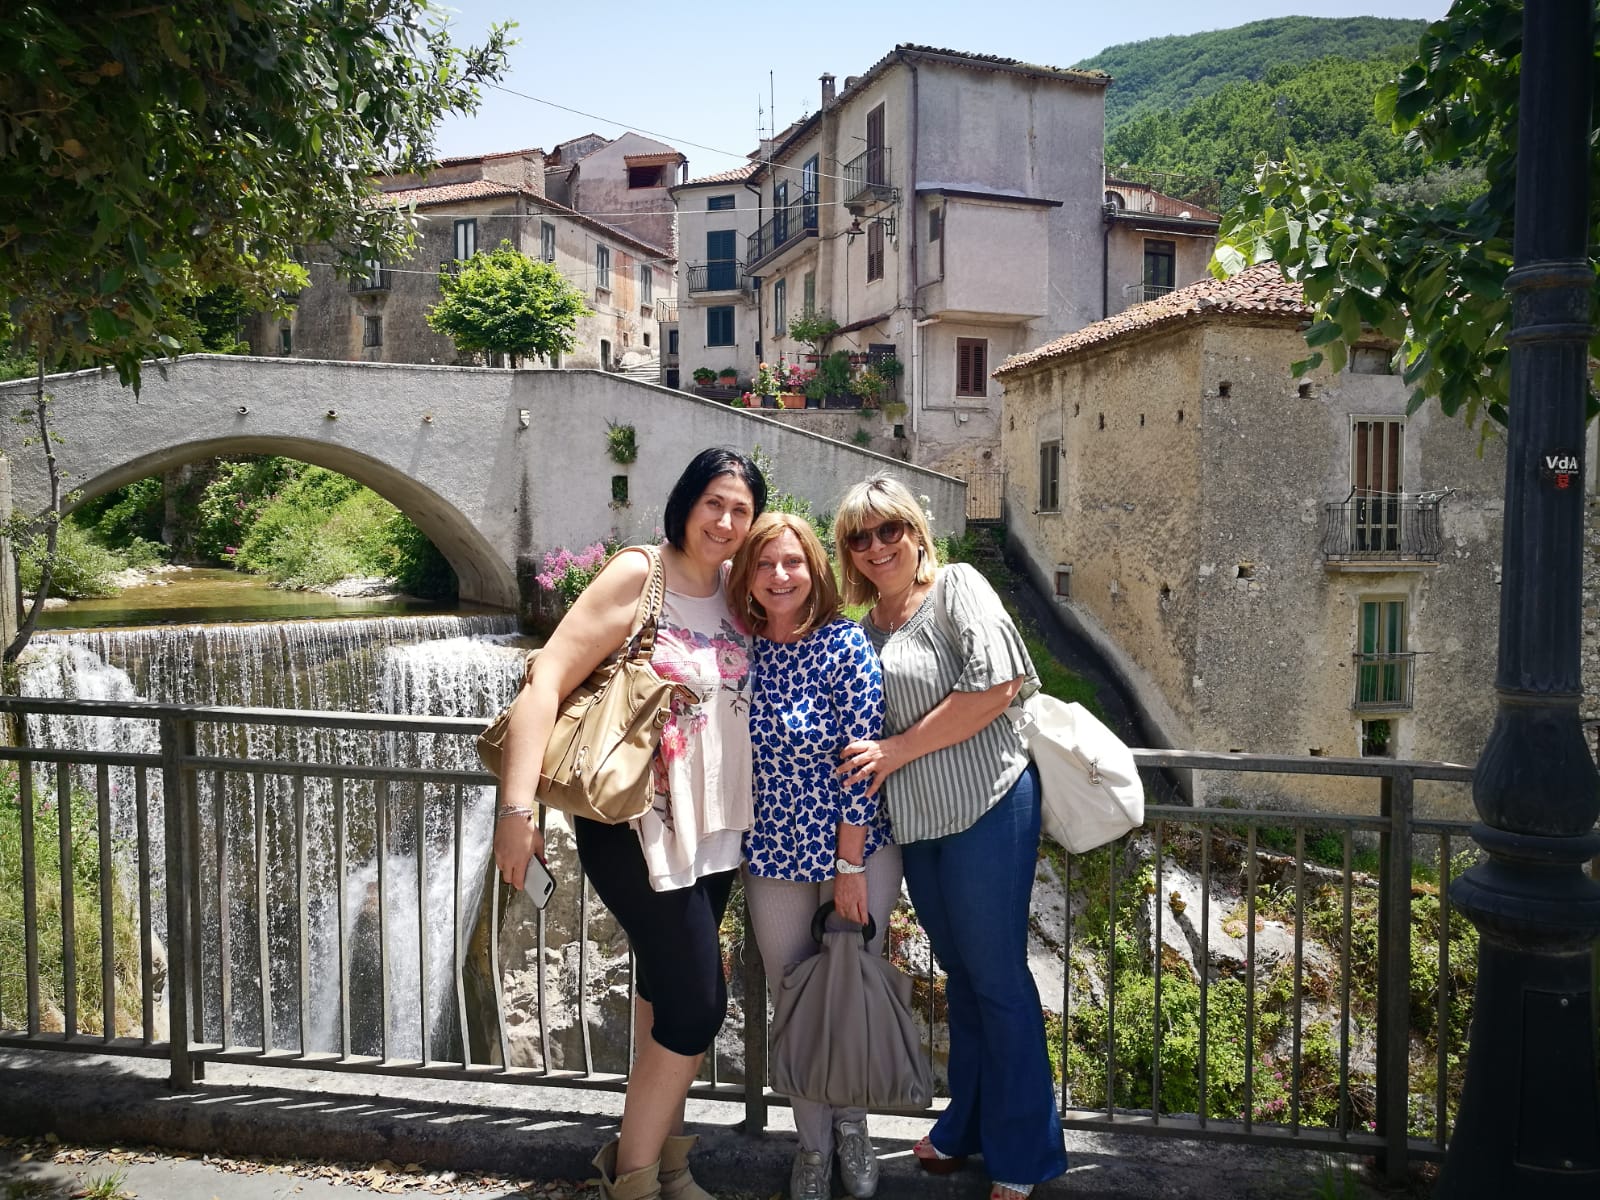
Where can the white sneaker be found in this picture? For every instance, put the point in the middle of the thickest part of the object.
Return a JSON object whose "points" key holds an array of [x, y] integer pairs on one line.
{"points": [[858, 1161], [808, 1178]]}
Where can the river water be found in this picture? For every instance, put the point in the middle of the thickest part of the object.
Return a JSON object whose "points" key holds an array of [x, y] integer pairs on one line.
{"points": [[254, 825], [209, 594]]}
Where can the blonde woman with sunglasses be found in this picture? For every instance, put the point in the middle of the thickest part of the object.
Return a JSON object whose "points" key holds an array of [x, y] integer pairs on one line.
{"points": [[963, 800]]}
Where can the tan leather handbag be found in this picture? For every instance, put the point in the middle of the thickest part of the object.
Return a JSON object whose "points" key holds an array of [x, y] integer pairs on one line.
{"points": [[597, 762]]}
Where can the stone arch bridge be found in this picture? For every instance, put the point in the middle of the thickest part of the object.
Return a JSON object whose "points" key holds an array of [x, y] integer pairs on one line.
{"points": [[494, 466]]}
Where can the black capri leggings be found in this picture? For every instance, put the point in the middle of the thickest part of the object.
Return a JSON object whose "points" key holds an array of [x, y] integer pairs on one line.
{"points": [[676, 950]]}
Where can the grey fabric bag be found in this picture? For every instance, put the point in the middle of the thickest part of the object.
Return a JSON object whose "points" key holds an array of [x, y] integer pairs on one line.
{"points": [[842, 1029]]}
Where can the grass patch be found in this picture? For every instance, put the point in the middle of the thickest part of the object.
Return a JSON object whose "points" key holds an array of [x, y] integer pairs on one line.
{"points": [[83, 876]]}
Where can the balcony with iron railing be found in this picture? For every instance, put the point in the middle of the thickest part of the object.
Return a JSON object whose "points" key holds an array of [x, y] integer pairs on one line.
{"points": [[866, 179], [375, 279], [1138, 293], [1382, 531], [721, 275], [1384, 681], [791, 224]]}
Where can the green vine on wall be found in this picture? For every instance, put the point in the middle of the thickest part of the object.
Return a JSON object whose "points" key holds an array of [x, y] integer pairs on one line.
{"points": [[621, 443]]}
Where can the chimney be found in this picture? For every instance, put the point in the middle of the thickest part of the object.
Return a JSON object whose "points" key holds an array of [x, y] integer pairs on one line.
{"points": [[827, 91]]}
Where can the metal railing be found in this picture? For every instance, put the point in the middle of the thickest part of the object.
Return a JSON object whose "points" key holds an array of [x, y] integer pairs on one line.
{"points": [[866, 177], [793, 221], [725, 275], [277, 891], [1384, 681], [377, 279], [985, 495], [1382, 527], [1140, 292]]}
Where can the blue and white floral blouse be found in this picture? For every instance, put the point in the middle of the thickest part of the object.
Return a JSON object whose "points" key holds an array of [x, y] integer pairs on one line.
{"points": [[810, 699]]}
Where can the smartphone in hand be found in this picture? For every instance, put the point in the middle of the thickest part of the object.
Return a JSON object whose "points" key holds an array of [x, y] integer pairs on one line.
{"points": [[537, 882]]}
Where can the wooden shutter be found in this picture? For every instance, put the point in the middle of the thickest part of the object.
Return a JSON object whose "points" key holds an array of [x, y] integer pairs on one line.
{"points": [[875, 164], [972, 366], [874, 251]]}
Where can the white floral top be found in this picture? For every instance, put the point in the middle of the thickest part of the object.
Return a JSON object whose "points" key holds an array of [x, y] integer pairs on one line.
{"points": [[702, 767]]}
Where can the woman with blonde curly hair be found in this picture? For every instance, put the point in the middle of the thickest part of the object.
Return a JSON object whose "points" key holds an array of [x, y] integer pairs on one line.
{"points": [[963, 800], [815, 688]]}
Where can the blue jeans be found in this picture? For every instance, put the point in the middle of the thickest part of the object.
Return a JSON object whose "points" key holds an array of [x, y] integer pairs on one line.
{"points": [[971, 892]]}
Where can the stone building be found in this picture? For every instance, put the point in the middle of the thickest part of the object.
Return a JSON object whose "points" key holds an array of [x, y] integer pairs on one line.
{"points": [[468, 204], [1275, 564], [945, 209]]}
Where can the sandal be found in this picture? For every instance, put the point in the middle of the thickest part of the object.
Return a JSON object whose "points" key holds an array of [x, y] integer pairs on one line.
{"points": [[1010, 1191], [931, 1159]]}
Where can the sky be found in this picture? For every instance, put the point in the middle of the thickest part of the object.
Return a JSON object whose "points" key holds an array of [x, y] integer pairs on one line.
{"points": [[697, 75]]}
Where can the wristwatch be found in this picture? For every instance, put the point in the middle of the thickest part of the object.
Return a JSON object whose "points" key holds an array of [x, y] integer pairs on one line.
{"points": [[843, 866]]}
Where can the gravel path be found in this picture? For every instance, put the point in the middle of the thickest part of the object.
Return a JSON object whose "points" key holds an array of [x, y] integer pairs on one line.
{"points": [[49, 1169]]}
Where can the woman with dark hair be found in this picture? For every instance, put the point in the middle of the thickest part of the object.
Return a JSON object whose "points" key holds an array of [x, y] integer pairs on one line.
{"points": [[666, 876], [817, 687], [963, 799]]}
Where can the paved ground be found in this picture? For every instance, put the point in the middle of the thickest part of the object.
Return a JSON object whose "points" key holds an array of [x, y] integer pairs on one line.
{"points": [[264, 1134]]}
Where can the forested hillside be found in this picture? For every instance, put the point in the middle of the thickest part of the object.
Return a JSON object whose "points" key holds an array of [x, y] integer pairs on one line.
{"points": [[1322, 109], [1170, 73]]}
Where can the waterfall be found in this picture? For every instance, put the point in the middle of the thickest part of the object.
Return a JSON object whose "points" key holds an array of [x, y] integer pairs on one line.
{"points": [[434, 665]]}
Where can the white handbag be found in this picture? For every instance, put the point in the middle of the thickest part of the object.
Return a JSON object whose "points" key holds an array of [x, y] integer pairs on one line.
{"points": [[1091, 791], [1090, 788]]}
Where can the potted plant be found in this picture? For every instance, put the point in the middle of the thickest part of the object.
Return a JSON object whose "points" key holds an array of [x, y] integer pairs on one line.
{"points": [[704, 376], [868, 386], [833, 378], [728, 377], [766, 386], [813, 328]]}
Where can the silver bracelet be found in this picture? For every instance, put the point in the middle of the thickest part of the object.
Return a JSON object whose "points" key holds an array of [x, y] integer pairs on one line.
{"points": [[513, 810]]}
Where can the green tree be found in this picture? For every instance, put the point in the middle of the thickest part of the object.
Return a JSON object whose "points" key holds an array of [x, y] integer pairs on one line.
{"points": [[151, 154], [503, 302], [1427, 273]]}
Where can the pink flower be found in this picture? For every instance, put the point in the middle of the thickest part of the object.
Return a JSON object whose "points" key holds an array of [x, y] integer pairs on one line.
{"points": [[673, 742], [732, 662]]}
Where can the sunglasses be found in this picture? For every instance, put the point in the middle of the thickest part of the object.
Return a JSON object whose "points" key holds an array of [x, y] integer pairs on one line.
{"points": [[888, 533]]}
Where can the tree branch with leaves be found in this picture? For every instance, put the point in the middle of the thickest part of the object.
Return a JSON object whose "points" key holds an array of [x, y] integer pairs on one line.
{"points": [[154, 154], [1430, 277]]}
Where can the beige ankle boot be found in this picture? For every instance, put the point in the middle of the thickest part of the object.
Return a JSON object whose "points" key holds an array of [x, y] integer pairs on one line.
{"points": [[643, 1184], [676, 1182]]}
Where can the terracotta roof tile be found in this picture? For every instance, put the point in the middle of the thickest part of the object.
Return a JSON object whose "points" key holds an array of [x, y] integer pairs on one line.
{"points": [[1090, 76], [1260, 290], [427, 196], [669, 158], [737, 175], [468, 158], [446, 193]]}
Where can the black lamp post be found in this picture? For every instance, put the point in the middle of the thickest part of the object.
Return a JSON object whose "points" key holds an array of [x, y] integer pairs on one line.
{"points": [[1529, 1122]]}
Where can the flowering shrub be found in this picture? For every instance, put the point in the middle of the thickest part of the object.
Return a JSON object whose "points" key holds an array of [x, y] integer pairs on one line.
{"points": [[767, 381], [793, 378], [567, 574]]}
